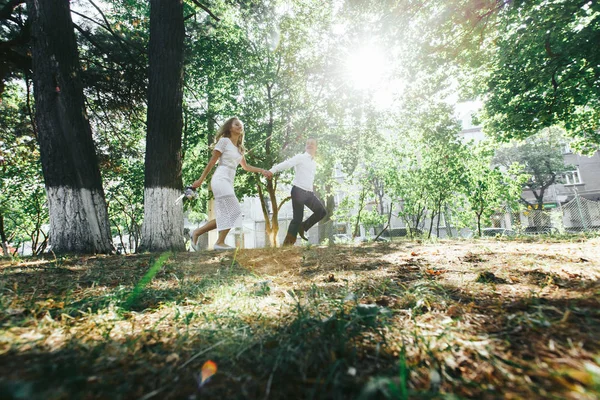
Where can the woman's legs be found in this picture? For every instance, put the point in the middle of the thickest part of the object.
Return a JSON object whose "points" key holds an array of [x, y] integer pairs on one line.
{"points": [[209, 226], [222, 236]]}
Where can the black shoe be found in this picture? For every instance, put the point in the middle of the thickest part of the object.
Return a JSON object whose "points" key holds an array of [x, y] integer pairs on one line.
{"points": [[301, 232]]}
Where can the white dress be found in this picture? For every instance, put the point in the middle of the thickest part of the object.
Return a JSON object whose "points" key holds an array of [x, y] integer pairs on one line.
{"points": [[227, 207]]}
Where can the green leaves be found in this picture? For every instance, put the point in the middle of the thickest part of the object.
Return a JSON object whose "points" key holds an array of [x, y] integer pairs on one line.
{"points": [[22, 193], [541, 158], [546, 71]]}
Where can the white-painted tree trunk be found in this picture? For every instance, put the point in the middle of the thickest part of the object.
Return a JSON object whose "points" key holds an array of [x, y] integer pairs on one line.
{"points": [[163, 221], [78, 221]]}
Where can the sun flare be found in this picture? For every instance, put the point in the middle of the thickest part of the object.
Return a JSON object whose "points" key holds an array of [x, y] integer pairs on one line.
{"points": [[365, 68]]}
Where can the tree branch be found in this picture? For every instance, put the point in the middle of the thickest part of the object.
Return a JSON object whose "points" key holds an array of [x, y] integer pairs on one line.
{"points": [[206, 9], [6, 11], [124, 43]]}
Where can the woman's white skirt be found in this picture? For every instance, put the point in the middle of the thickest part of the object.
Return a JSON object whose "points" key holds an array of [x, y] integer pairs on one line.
{"points": [[227, 207]]}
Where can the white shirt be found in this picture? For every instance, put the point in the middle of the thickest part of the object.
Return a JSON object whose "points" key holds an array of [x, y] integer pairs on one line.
{"points": [[230, 154], [304, 168]]}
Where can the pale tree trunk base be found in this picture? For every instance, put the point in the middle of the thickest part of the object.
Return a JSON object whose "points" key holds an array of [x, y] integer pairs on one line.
{"points": [[163, 221], [212, 235], [78, 221]]}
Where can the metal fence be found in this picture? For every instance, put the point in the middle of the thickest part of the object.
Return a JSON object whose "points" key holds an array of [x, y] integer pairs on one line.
{"points": [[578, 215]]}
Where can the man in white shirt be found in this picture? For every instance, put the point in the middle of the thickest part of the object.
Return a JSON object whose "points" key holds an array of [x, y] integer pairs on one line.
{"points": [[302, 192]]}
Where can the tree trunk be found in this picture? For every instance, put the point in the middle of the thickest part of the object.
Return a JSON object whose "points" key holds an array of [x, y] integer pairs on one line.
{"points": [[361, 206], [163, 219], [76, 202], [272, 223], [439, 215], [3, 236], [448, 221], [431, 224]]}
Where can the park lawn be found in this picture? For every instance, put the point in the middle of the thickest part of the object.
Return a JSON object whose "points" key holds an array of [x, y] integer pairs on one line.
{"points": [[483, 318]]}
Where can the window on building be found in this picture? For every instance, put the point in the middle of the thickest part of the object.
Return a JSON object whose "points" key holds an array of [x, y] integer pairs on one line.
{"points": [[337, 198], [567, 149], [571, 177]]}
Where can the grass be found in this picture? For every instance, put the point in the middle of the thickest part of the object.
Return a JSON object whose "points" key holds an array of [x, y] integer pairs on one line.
{"points": [[434, 320]]}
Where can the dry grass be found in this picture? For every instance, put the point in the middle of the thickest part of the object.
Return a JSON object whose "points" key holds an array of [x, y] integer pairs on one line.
{"points": [[476, 319]]}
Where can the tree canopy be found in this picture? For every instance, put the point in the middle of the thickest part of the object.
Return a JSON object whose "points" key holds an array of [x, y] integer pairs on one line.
{"points": [[358, 76]]}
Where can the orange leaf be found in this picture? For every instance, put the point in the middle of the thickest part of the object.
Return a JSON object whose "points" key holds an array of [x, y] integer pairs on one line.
{"points": [[208, 369], [435, 272]]}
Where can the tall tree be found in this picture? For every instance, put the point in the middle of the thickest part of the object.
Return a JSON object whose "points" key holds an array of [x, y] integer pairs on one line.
{"points": [[76, 203], [163, 219]]}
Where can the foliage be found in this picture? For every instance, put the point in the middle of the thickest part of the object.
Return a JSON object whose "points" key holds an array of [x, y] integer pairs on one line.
{"points": [[430, 167], [14, 39], [22, 193], [125, 198], [488, 188], [364, 189], [546, 71], [541, 158], [533, 63]]}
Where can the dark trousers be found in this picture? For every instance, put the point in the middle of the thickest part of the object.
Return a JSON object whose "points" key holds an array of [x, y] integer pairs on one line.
{"points": [[301, 198]]}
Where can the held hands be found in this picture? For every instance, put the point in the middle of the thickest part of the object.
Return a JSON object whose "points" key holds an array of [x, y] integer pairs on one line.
{"points": [[266, 174]]}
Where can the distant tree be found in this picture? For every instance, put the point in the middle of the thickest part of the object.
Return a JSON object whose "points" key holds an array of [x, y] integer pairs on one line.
{"points": [[76, 202], [22, 195], [542, 160], [428, 167], [487, 188]]}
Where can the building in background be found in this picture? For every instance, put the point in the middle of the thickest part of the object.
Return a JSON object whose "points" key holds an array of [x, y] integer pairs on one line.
{"points": [[571, 204]]}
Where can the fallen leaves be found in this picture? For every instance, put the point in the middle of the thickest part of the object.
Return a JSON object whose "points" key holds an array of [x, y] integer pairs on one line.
{"points": [[518, 340], [435, 272], [472, 258], [208, 370], [489, 277]]}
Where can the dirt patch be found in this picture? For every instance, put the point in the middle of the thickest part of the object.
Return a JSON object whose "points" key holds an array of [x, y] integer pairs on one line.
{"points": [[490, 317]]}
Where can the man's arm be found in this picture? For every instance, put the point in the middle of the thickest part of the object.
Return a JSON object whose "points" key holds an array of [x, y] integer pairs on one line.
{"points": [[289, 163]]}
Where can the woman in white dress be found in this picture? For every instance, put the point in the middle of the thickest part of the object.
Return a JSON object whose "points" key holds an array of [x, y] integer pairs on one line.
{"points": [[229, 152]]}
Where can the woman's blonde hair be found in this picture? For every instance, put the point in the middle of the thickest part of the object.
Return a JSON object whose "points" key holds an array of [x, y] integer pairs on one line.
{"points": [[225, 131]]}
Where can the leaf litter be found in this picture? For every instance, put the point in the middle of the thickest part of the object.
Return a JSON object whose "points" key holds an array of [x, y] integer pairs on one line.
{"points": [[481, 318]]}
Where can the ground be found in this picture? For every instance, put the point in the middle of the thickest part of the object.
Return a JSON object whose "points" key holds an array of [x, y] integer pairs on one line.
{"points": [[485, 318]]}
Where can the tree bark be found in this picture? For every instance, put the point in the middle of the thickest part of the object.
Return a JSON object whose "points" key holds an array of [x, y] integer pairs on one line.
{"points": [[163, 219], [76, 202], [272, 222], [3, 236]]}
